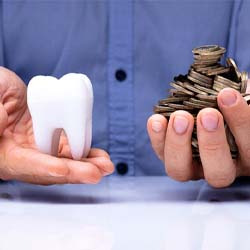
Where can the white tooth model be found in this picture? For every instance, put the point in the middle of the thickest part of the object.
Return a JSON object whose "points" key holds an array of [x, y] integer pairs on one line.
{"points": [[57, 104]]}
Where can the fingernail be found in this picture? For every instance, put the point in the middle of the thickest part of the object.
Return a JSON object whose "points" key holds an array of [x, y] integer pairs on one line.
{"points": [[210, 121], [180, 124], [228, 97], [156, 126]]}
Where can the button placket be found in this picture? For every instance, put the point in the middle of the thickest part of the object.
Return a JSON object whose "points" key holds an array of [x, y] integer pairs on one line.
{"points": [[120, 70]]}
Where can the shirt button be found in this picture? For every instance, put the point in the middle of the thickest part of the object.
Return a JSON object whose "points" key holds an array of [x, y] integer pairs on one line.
{"points": [[120, 75], [122, 168]]}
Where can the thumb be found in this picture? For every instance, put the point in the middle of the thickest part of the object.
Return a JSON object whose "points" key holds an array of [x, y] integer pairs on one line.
{"points": [[3, 119]]}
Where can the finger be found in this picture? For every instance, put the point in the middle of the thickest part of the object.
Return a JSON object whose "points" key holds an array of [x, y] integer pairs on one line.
{"points": [[32, 166], [64, 149], [96, 156], [101, 159], [178, 151], [3, 119], [237, 115], [96, 152], [157, 127], [83, 173], [103, 163], [219, 169]]}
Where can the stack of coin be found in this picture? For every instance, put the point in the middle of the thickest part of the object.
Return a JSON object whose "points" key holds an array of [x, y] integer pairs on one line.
{"points": [[200, 87]]}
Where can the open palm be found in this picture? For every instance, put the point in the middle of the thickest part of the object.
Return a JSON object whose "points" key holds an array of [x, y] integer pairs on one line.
{"points": [[19, 157]]}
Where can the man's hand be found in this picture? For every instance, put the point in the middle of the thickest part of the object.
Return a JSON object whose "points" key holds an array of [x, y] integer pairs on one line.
{"points": [[172, 141], [19, 158]]}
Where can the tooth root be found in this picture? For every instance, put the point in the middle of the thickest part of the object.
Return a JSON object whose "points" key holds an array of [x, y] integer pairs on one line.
{"points": [[88, 137], [76, 138], [43, 137], [55, 141]]}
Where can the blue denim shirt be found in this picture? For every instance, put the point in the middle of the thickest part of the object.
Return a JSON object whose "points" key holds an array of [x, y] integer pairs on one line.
{"points": [[129, 49]]}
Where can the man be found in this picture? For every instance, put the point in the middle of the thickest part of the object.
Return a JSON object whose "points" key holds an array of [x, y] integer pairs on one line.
{"points": [[130, 51]]}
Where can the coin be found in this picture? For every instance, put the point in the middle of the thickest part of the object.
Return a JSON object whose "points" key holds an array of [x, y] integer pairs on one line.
{"points": [[206, 57], [219, 86], [198, 64], [204, 103], [180, 106], [231, 64], [227, 82], [194, 89], [201, 77], [173, 100], [205, 90], [194, 105], [217, 71], [244, 79], [205, 48], [205, 68], [204, 84], [177, 93], [162, 109], [181, 88], [209, 50], [199, 88], [207, 61], [195, 143], [208, 98], [247, 99]]}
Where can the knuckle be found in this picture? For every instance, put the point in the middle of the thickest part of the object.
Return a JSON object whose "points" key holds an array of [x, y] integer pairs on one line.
{"points": [[242, 121], [94, 176], [178, 175], [175, 145], [60, 171], [108, 168], [210, 146], [220, 181]]}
